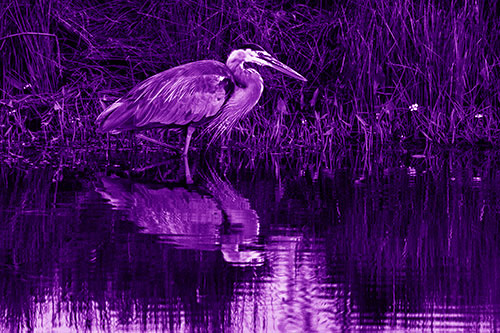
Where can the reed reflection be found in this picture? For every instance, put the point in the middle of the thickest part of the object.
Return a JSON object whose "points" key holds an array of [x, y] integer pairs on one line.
{"points": [[207, 217], [411, 246]]}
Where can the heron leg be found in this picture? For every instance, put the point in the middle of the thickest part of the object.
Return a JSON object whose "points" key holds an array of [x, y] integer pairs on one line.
{"points": [[187, 170], [107, 150], [189, 134]]}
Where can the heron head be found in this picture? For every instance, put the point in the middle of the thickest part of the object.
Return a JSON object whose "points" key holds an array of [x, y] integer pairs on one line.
{"points": [[252, 53]]}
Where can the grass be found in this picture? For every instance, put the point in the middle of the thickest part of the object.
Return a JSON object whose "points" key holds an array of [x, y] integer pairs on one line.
{"points": [[379, 72]]}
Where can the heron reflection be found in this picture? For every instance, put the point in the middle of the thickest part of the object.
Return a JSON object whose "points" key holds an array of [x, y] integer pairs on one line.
{"points": [[208, 217]]}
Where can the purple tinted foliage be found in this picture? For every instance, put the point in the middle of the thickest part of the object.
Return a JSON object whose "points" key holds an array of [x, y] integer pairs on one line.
{"points": [[368, 63]]}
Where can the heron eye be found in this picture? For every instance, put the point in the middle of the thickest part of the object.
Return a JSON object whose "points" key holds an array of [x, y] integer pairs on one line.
{"points": [[247, 65]]}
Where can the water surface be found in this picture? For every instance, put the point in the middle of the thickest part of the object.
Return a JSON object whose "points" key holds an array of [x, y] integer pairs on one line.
{"points": [[399, 241]]}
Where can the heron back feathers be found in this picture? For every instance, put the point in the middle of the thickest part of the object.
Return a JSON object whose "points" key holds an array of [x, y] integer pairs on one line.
{"points": [[187, 94]]}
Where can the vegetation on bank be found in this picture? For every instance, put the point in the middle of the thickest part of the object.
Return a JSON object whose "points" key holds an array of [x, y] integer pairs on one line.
{"points": [[379, 72]]}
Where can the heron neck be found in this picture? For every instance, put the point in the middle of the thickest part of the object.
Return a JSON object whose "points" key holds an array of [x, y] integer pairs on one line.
{"points": [[240, 74]]}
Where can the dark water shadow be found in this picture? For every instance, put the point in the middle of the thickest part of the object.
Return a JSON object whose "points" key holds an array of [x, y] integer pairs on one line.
{"points": [[71, 260]]}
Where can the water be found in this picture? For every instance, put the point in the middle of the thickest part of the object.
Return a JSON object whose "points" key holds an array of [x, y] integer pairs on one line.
{"points": [[264, 245]]}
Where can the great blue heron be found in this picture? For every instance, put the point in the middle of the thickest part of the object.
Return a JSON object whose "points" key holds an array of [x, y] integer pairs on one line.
{"points": [[197, 93]]}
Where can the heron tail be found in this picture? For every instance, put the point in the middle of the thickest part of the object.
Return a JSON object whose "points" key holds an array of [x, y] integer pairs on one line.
{"points": [[111, 119]]}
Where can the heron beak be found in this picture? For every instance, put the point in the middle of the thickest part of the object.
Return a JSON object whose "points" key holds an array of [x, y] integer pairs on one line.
{"points": [[265, 59]]}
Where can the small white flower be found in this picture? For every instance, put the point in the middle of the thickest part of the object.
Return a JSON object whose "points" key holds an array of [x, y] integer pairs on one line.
{"points": [[479, 116], [413, 107]]}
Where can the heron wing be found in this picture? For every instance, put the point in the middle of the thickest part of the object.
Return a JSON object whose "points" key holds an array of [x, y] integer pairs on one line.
{"points": [[179, 96]]}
